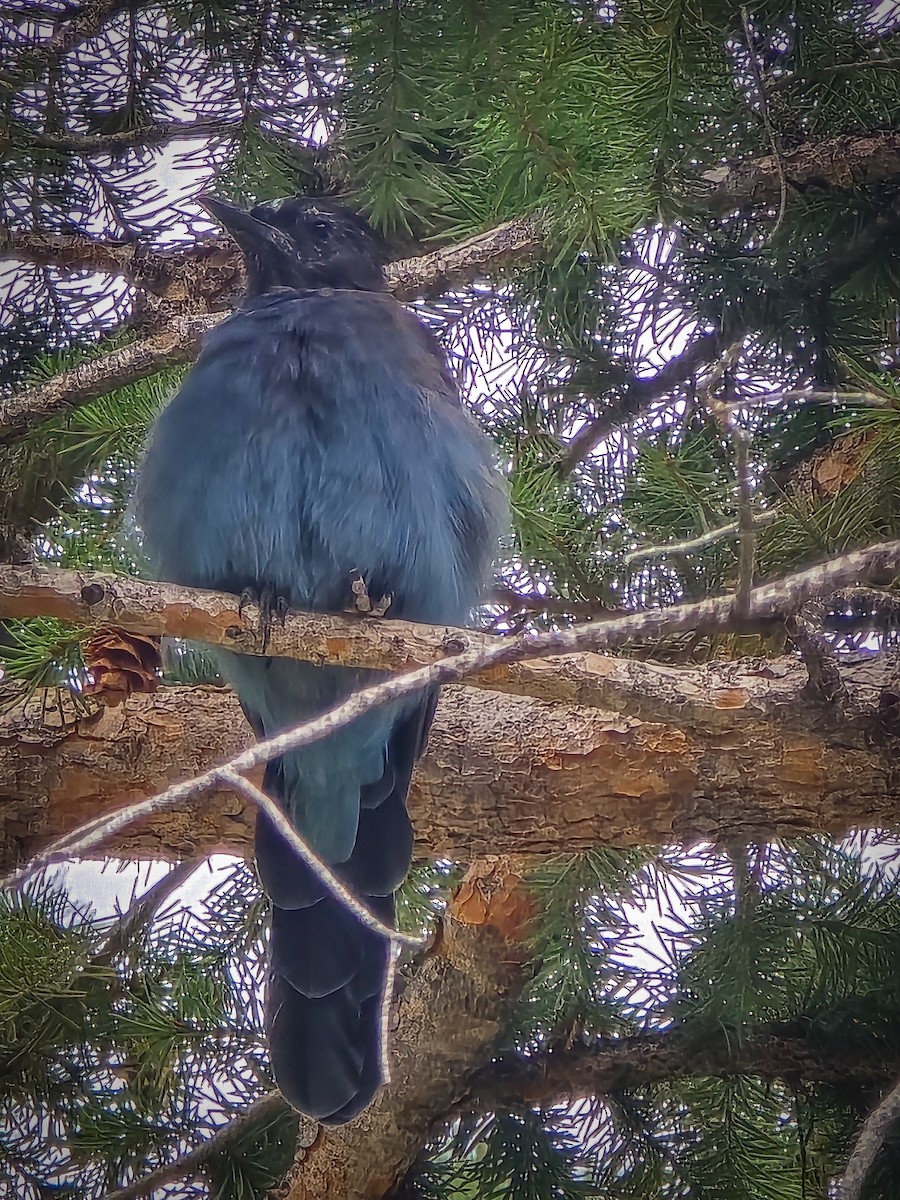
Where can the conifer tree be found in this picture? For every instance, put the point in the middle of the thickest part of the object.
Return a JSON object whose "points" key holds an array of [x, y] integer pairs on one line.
{"points": [[658, 877]]}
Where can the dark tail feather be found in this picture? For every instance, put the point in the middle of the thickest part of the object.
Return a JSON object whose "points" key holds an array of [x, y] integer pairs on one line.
{"points": [[323, 1007], [328, 971]]}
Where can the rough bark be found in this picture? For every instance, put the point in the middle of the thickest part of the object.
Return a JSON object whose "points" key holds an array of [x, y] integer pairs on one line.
{"points": [[502, 773], [842, 161], [705, 696], [178, 343], [604, 1066]]}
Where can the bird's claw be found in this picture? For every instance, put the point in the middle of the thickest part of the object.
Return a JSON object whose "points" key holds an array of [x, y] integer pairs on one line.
{"points": [[272, 608], [362, 602]]}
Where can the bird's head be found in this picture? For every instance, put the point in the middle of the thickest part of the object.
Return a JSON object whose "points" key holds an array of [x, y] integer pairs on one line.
{"points": [[303, 243]]}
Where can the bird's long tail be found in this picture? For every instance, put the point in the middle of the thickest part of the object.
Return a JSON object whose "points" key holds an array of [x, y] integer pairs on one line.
{"points": [[326, 1048], [327, 978], [327, 969]]}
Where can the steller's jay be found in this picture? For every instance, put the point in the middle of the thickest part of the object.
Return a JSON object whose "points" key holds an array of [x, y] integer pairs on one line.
{"points": [[320, 437]]}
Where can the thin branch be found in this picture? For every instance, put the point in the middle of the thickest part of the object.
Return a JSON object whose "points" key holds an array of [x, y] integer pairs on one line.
{"points": [[322, 871], [179, 341], [767, 121], [144, 909], [872, 1137], [154, 134], [271, 1105], [771, 600], [600, 1067], [640, 393], [760, 521]]}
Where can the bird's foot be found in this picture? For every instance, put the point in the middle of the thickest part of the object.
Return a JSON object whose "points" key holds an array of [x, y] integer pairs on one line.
{"points": [[272, 608], [362, 602]]}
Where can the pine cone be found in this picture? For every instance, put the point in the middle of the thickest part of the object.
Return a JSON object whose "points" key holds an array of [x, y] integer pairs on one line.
{"points": [[120, 663]]}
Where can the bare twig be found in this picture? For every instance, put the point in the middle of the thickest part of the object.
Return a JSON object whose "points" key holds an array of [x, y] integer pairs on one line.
{"points": [[323, 872], [724, 414], [271, 1105], [871, 1139], [770, 600], [330, 881], [760, 521]]}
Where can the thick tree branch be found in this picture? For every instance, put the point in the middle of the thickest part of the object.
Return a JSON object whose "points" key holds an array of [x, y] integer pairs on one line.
{"points": [[608, 1064], [179, 341], [842, 161], [774, 599], [501, 773], [450, 1015]]}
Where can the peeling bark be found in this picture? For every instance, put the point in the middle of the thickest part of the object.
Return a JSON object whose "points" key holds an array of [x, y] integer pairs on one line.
{"points": [[502, 773]]}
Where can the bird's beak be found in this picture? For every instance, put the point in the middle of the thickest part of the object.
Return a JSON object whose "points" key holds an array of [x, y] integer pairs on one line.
{"points": [[248, 231]]}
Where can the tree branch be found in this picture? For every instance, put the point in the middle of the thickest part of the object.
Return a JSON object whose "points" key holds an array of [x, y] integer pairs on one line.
{"points": [[154, 134], [177, 344], [179, 341], [501, 773], [442, 270], [871, 1140], [647, 691], [842, 161], [207, 269], [607, 1064], [270, 1106], [770, 600], [640, 393]]}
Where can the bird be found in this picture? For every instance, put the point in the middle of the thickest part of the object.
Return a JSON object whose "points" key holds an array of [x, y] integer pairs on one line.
{"points": [[318, 447]]}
